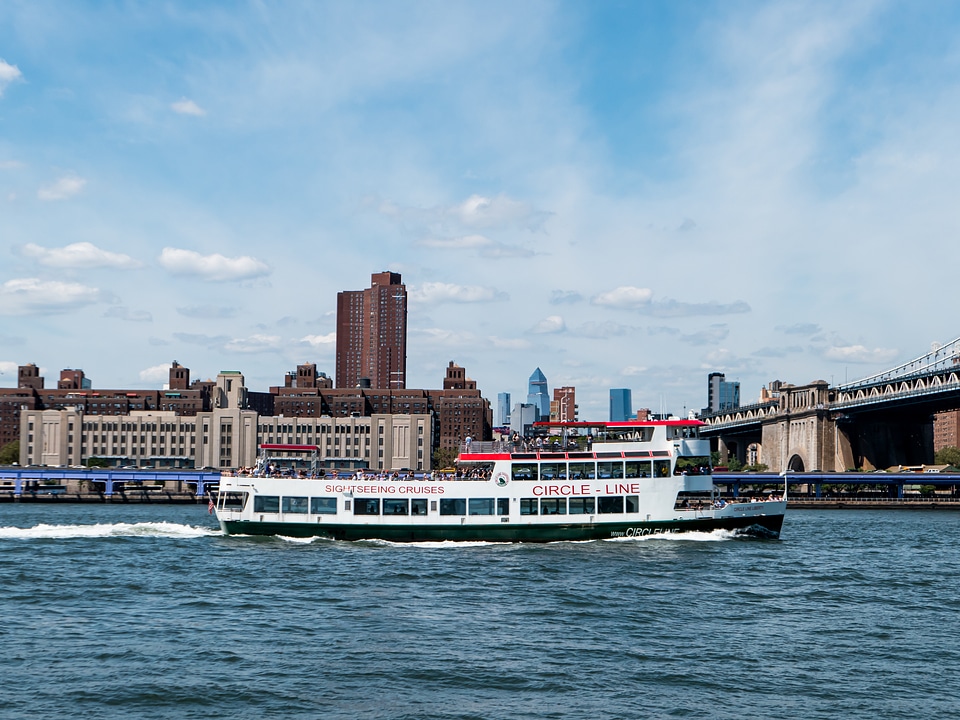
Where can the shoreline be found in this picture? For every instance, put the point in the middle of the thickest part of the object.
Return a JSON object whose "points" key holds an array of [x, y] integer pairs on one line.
{"points": [[165, 497], [153, 497]]}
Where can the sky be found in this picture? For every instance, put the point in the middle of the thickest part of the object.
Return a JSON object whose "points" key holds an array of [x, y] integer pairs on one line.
{"points": [[623, 194]]}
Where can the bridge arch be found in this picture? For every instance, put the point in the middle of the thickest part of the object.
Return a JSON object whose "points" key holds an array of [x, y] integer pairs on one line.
{"points": [[795, 464]]}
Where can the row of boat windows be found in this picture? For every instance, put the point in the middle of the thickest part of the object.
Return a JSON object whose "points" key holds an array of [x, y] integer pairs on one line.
{"points": [[609, 504], [590, 470]]}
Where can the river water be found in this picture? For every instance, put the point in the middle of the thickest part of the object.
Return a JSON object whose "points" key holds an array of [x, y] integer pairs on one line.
{"points": [[147, 611]]}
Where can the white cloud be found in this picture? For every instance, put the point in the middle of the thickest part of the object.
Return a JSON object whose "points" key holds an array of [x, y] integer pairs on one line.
{"points": [[320, 341], [31, 296], [207, 312], [8, 368], [438, 292], [8, 74], [464, 242], [253, 344], [156, 374], [501, 211], [509, 343], [125, 313], [78, 255], [63, 188], [860, 354], [624, 297], [476, 212], [551, 324], [442, 337], [631, 370], [183, 106], [216, 267]]}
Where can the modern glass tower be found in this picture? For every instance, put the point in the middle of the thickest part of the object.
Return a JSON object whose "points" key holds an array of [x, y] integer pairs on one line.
{"points": [[722, 395], [538, 395], [621, 404], [503, 409]]}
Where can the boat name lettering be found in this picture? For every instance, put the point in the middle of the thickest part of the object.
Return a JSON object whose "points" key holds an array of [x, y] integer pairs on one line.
{"points": [[546, 490], [622, 489], [637, 532], [387, 489]]}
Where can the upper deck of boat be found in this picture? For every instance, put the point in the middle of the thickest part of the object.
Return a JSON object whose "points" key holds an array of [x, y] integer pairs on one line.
{"points": [[585, 441]]}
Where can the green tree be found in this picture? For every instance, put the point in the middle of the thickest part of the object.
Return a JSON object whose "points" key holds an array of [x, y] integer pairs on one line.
{"points": [[10, 453], [948, 456], [444, 458], [97, 462]]}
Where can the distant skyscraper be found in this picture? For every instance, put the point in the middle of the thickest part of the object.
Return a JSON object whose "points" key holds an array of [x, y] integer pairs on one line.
{"points": [[372, 334], [721, 395], [538, 395], [503, 409], [563, 408], [621, 404], [522, 418]]}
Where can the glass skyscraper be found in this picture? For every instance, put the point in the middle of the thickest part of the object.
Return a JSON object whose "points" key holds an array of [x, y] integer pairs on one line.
{"points": [[538, 395], [621, 404], [503, 409]]}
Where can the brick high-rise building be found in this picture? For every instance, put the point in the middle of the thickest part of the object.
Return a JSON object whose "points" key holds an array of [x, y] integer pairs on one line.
{"points": [[372, 334], [563, 407]]}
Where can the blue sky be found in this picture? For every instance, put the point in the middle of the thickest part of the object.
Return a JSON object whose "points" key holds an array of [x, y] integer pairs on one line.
{"points": [[625, 194]]}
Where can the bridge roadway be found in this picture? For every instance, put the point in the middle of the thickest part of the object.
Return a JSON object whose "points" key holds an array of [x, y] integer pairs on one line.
{"points": [[893, 482], [17, 482]]}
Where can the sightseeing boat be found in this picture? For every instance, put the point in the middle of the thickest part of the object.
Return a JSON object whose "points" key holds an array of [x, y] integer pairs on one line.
{"points": [[571, 481]]}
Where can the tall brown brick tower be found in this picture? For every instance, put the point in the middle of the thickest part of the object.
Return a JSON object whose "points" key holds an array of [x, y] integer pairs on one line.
{"points": [[372, 334]]}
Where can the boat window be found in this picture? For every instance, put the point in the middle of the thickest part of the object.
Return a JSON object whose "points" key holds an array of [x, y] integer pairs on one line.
{"points": [[661, 468], [608, 470], [638, 469], [582, 506], [528, 506], [633, 503], [266, 503], [583, 470], [503, 506], [553, 506], [418, 506], [524, 471], [481, 506], [394, 506], [453, 506], [696, 465], [610, 504], [323, 506], [295, 505], [366, 506], [233, 500], [553, 471]]}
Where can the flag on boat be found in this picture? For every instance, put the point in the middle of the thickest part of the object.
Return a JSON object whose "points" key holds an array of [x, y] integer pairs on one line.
{"points": [[210, 506]]}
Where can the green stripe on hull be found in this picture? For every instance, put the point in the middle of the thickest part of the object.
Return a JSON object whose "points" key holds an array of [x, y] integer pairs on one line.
{"points": [[767, 525]]}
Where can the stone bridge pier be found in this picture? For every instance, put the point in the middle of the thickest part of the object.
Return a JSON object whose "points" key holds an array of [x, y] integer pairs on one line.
{"points": [[805, 435]]}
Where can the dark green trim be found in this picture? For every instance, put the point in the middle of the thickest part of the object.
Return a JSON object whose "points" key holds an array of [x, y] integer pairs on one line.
{"points": [[766, 525]]}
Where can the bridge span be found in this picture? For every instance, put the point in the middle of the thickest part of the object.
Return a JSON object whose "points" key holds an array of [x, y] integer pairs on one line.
{"points": [[873, 423]]}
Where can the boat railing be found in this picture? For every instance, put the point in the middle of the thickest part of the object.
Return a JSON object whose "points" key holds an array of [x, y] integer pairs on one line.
{"points": [[486, 447]]}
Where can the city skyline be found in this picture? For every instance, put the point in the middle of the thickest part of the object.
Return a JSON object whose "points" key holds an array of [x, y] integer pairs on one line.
{"points": [[625, 196]]}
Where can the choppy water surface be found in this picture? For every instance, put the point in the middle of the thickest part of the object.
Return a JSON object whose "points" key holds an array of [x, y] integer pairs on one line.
{"points": [[147, 611]]}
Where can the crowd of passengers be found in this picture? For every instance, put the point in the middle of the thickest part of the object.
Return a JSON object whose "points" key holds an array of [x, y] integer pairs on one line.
{"points": [[688, 504], [273, 471], [521, 443]]}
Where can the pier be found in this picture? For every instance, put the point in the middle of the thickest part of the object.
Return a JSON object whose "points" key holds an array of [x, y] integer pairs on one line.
{"points": [[56, 485]]}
